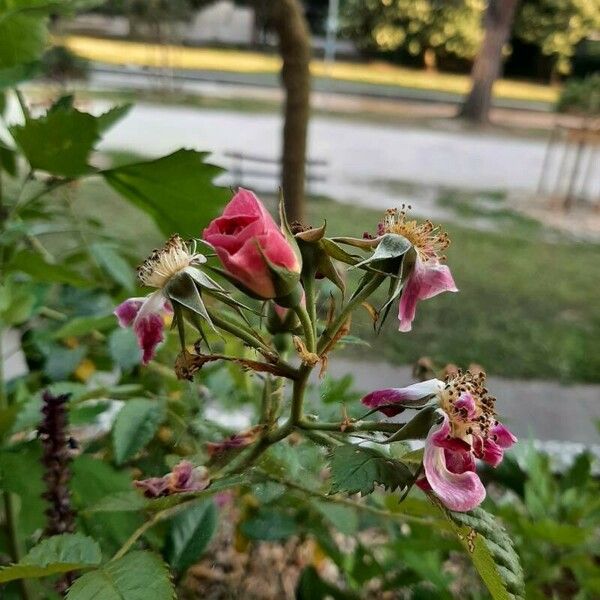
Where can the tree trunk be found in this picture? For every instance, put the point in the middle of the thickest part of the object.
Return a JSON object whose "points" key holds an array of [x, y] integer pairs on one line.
{"points": [[294, 46], [499, 16]]}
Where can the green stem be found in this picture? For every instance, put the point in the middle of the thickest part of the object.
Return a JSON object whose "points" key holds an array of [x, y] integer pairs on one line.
{"points": [[298, 396], [308, 281], [23, 104], [329, 334], [342, 427], [307, 326], [237, 331]]}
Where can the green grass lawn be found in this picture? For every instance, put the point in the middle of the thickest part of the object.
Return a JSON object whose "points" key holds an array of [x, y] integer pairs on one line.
{"points": [[527, 306]]}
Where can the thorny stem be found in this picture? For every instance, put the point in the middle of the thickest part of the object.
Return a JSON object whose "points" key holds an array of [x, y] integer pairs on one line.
{"points": [[240, 333], [329, 334], [349, 427], [308, 281], [307, 326], [345, 501]]}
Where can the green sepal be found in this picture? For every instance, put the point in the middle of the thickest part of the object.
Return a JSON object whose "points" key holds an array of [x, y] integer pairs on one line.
{"points": [[287, 230], [315, 257], [396, 285], [387, 257], [182, 289], [285, 281], [275, 325], [419, 426]]}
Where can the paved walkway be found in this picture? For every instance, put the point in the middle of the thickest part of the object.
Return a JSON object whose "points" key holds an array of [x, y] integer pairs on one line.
{"points": [[368, 163]]}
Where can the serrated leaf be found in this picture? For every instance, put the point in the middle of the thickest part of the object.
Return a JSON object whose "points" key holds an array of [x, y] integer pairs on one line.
{"points": [[114, 264], [189, 534], [134, 427], [355, 469], [111, 117], [176, 190], [136, 576], [59, 142], [491, 550], [57, 554]]}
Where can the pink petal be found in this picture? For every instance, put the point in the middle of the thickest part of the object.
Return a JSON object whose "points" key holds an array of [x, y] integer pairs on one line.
{"points": [[502, 436], [442, 437], [149, 332], [401, 396], [466, 402], [487, 450], [428, 279], [127, 311], [458, 491]]}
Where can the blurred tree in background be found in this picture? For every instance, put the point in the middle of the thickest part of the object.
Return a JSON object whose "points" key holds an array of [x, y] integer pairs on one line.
{"points": [[425, 29], [488, 64], [557, 26]]}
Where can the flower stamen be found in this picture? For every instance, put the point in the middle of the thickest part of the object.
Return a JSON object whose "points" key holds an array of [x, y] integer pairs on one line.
{"points": [[429, 240], [166, 262]]}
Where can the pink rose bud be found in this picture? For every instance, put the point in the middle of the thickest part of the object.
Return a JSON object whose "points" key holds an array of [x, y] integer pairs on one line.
{"points": [[253, 249]]}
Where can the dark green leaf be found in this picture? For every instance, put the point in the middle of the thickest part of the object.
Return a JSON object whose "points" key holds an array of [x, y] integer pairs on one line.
{"points": [[57, 554], [134, 427], [83, 325], [22, 39], [312, 587], [11, 76], [21, 473], [491, 551], [356, 469], [35, 266], [136, 576], [176, 190], [59, 142], [114, 115], [190, 533], [93, 480], [8, 160]]}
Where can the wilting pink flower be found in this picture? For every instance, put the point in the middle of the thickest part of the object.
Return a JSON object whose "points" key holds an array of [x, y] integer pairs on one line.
{"points": [[237, 441], [247, 239], [146, 316], [183, 478], [468, 430], [428, 277]]}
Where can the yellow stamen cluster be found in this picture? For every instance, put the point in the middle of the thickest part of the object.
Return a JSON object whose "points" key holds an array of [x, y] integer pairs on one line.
{"points": [[165, 262], [428, 239], [484, 415]]}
